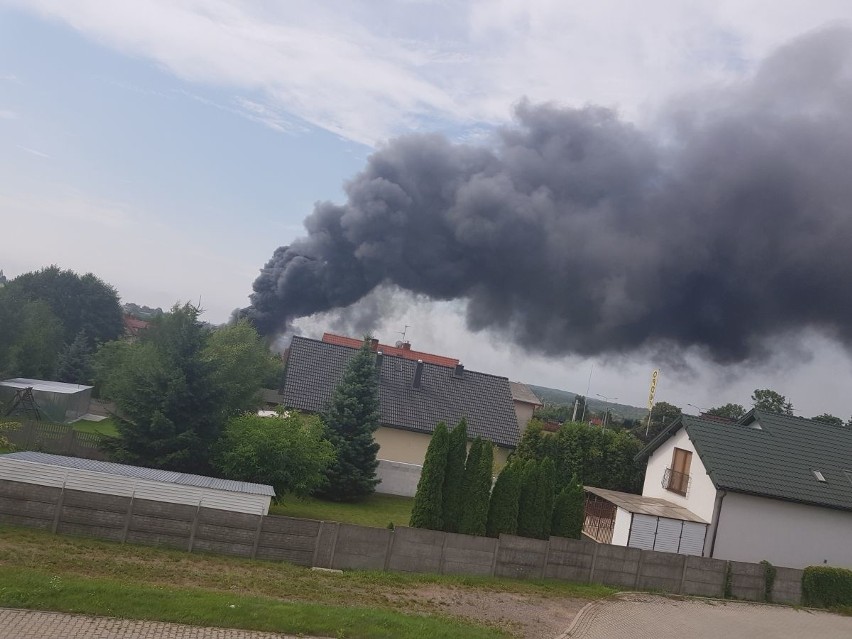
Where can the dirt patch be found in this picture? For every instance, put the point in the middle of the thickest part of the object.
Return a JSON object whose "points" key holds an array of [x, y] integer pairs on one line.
{"points": [[526, 616]]}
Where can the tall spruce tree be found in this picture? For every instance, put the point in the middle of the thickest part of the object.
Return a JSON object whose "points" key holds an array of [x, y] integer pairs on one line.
{"points": [[568, 511], [453, 492], [547, 488], [503, 508], [428, 501], [351, 419], [75, 361]]}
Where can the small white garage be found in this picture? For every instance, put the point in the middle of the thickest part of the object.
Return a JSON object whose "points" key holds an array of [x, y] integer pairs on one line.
{"points": [[135, 481], [649, 523]]}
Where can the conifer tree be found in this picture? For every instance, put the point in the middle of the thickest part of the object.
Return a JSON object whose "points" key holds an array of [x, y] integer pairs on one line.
{"points": [[428, 502], [546, 488], [530, 507], [568, 511], [453, 493], [475, 516], [503, 508], [350, 421], [75, 361]]}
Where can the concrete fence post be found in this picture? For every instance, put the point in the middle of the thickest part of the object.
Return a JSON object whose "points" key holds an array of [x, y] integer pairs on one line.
{"points": [[546, 559], [441, 569], [59, 501], [389, 549], [128, 517], [594, 561], [257, 536], [194, 527], [638, 569], [496, 555], [683, 575]]}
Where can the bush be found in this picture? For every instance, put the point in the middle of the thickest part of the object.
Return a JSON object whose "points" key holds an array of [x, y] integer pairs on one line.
{"points": [[826, 587], [428, 501], [289, 453]]}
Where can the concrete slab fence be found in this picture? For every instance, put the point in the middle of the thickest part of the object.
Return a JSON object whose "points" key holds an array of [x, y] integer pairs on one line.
{"points": [[326, 544]]}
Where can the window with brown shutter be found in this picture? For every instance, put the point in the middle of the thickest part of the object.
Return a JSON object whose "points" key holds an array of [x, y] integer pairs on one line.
{"points": [[678, 475]]}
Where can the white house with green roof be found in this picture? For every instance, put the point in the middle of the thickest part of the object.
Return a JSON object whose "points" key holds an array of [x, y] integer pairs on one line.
{"points": [[771, 487]]}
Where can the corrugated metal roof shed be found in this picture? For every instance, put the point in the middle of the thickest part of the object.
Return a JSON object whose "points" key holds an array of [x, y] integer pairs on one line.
{"points": [[638, 504], [44, 385], [139, 472]]}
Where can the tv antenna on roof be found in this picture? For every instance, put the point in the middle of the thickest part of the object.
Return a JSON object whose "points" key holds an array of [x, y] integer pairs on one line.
{"points": [[404, 331]]}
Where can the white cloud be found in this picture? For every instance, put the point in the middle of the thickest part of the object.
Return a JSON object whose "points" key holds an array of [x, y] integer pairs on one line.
{"points": [[6, 114], [367, 70]]}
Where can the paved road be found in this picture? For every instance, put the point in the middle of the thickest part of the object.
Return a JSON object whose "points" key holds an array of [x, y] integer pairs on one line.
{"points": [[31, 624], [642, 616]]}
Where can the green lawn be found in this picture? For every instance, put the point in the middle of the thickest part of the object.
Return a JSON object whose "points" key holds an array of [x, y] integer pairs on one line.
{"points": [[39, 570], [106, 427], [376, 510]]}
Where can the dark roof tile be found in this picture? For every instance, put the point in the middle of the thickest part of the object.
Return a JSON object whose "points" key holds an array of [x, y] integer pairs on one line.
{"points": [[315, 368]]}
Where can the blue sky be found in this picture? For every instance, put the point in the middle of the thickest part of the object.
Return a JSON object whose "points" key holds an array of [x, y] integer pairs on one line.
{"points": [[171, 146]]}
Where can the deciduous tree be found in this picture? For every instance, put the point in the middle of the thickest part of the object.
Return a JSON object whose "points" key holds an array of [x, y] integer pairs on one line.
{"points": [[728, 411], [770, 401]]}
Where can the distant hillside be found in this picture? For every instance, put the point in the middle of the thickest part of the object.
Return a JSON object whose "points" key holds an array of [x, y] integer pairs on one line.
{"points": [[566, 398]]}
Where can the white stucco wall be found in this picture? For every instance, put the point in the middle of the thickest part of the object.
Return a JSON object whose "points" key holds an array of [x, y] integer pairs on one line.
{"points": [[702, 493], [621, 532], [784, 533]]}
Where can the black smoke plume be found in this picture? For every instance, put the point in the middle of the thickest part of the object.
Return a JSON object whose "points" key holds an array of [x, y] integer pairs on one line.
{"points": [[727, 223]]}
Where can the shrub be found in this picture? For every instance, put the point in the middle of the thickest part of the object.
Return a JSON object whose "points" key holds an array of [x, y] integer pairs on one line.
{"points": [[769, 573], [530, 506], [546, 488], [826, 587], [428, 501], [290, 453]]}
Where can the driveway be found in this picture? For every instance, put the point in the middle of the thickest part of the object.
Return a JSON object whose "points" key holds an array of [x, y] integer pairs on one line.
{"points": [[643, 616], [33, 624]]}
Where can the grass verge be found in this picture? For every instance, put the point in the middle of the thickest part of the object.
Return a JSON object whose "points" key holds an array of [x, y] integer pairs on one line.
{"points": [[27, 588], [376, 510], [41, 570]]}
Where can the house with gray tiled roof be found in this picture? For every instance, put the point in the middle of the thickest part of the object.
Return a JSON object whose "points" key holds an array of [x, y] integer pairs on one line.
{"points": [[414, 396], [769, 486]]}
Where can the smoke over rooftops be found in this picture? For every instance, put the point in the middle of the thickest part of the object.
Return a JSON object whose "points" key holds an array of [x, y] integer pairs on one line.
{"points": [[577, 232]]}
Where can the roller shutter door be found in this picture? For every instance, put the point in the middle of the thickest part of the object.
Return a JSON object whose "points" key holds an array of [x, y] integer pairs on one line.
{"points": [[668, 535], [642, 532], [692, 538]]}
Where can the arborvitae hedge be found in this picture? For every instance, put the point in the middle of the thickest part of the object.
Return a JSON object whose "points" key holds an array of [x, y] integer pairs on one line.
{"points": [[428, 501], [826, 587], [530, 508], [503, 509], [478, 490], [568, 511], [453, 493], [546, 487]]}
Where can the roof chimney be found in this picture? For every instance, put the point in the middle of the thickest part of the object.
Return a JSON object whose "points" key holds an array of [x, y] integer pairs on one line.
{"points": [[459, 372], [418, 373], [406, 346], [374, 344], [379, 363]]}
